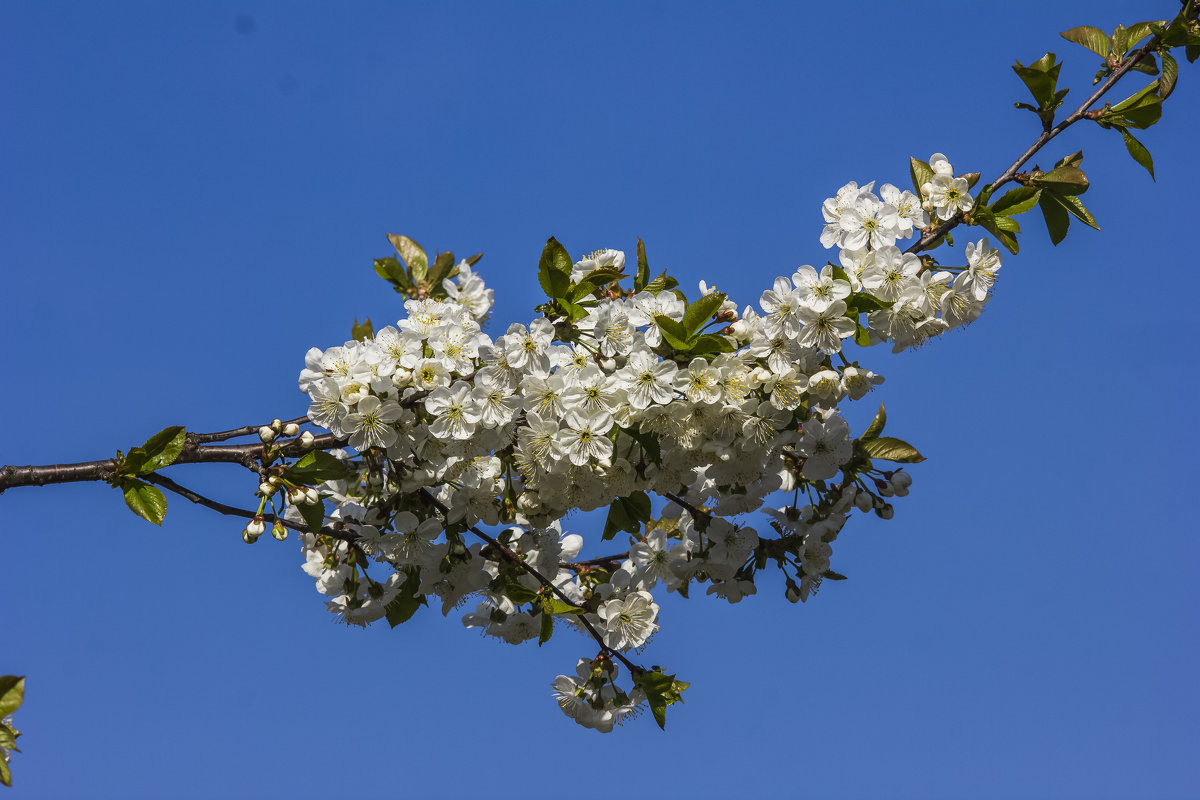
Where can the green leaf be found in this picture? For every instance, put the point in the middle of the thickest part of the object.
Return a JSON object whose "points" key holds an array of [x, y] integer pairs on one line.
{"points": [[552, 605], [12, 693], [1140, 110], [144, 500], [627, 514], [1065, 180], [1057, 218], [1016, 201], [554, 269], [662, 283], [316, 467], [991, 223], [921, 174], [413, 255], [861, 301], [1170, 73], [473, 260], [862, 336], [1146, 65], [406, 602], [390, 270], [1120, 41], [876, 427], [159, 451], [314, 515], [833, 576], [888, 448], [1139, 152], [546, 630], [700, 312], [1092, 38], [710, 344], [5, 773], [1192, 52], [1041, 78], [1140, 30], [442, 265], [673, 333], [516, 591], [1073, 160], [8, 738], [971, 178], [1076, 209], [360, 333], [643, 268], [661, 691]]}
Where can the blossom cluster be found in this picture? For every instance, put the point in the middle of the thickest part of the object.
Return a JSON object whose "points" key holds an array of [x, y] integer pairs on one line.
{"points": [[456, 430]]}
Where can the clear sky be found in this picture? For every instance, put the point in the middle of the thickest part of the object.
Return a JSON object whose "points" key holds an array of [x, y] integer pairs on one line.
{"points": [[191, 198]]}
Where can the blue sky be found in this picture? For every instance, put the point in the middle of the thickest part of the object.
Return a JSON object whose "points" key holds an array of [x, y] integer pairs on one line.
{"points": [[192, 196]]}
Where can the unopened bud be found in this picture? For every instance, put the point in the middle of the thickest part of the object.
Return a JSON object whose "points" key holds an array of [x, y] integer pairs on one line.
{"points": [[291, 429], [275, 480], [266, 434], [296, 496], [276, 424], [307, 439], [256, 526], [863, 501], [279, 531], [885, 511], [311, 496], [266, 489], [248, 537]]}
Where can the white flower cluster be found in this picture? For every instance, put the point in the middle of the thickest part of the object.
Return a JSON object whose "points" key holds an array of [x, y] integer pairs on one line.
{"points": [[920, 302], [456, 429]]}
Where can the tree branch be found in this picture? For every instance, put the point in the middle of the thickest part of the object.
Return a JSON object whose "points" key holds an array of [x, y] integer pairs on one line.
{"points": [[1010, 174]]}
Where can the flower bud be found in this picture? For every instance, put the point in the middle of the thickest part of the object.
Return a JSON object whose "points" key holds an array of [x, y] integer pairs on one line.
{"points": [[248, 537], [256, 526], [311, 496], [266, 489], [863, 501], [291, 429], [296, 496], [306, 439], [276, 424], [900, 482], [266, 434], [279, 531], [885, 511]]}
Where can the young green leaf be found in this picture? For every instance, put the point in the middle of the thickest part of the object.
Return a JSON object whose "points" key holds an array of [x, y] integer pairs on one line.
{"points": [[921, 174], [643, 268], [888, 448], [1170, 73], [360, 333], [876, 427], [390, 270], [442, 265], [547, 628], [1092, 38], [700, 312], [144, 500], [673, 333], [406, 601], [554, 269], [1057, 218], [316, 467], [1139, 152], [12, 693], [1016, 201], [413, 255], [313, 514], [627, 514], [1065, 180], [661, 691], [1041, 78], [1075, 208], [662, 283]]}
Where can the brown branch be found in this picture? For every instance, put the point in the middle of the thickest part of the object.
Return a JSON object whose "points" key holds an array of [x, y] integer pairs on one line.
{"points": [[1010, 174], [513, 558], [250, 456], [220, 436]]}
